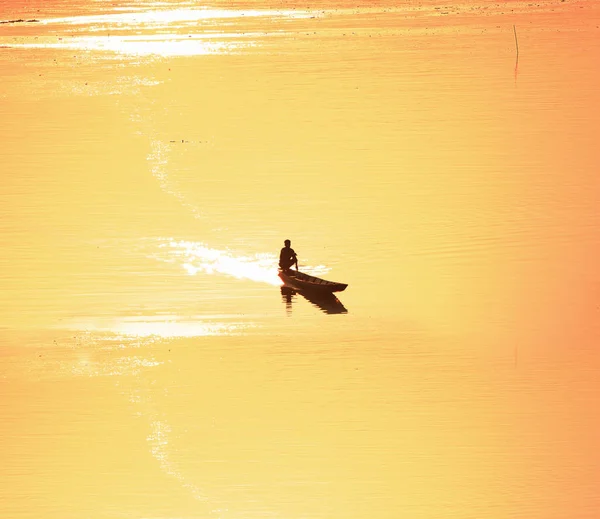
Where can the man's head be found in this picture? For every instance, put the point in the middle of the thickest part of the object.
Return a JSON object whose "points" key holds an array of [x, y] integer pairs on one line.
{"points": [[287, 243]]}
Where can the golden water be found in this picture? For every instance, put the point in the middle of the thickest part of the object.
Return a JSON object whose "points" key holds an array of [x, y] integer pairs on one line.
{"points": [[154, 158]]}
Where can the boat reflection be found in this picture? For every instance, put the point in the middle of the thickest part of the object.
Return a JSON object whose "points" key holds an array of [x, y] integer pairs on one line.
{"points": [[326, 302]]}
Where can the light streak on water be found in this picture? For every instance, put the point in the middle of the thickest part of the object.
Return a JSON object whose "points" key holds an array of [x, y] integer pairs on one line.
{"points": [[158, 159], [158, 441], [182, 32], [196, 257], [164, 17], [163, 45], [161, 326]]}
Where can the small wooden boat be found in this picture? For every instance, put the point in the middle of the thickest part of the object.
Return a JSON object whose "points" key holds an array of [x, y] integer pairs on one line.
{"points": [[302, 281]]}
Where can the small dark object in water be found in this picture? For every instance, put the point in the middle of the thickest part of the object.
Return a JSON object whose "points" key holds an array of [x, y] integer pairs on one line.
{"points": [[302, 281], [20, 20], [325, 301]]}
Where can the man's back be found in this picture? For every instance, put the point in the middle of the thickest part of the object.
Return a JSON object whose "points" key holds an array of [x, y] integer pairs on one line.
{"points": [[287, 257]]}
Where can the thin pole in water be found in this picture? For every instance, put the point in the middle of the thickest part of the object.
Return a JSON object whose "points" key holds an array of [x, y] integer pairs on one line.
{"points": [[517, 45]]}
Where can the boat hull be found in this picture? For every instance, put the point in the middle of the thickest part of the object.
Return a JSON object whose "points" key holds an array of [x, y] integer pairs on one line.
{"points": [[301, 281]]}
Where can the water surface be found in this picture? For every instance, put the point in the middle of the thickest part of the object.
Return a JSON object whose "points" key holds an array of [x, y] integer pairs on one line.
{"points": [[154, 159]]}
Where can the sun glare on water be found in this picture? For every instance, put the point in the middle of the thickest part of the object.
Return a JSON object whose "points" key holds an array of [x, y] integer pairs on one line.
{"points": [[154, 32], [173, 16], [164, 45], [196, 257], [160, 326]]}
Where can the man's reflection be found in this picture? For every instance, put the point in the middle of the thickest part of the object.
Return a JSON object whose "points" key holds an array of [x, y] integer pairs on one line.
{"points": [[327, 303]]}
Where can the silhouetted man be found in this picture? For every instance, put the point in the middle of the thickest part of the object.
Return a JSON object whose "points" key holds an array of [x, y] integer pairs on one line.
{"points": [[287, 257]]}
